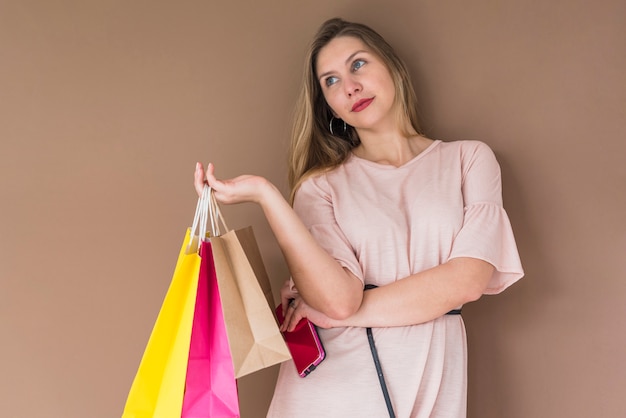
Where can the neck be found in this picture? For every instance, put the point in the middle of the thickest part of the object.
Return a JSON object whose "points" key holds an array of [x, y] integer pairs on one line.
{"points": [[391, 147]]}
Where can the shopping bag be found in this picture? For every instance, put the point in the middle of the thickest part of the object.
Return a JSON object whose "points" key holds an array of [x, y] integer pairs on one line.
{"points": [[157, 390], [244, 287], [210, 385]]}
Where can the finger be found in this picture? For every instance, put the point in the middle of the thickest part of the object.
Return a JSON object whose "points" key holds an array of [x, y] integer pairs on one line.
{"points": [[210, 176], [289, 311], [216, 184], [294, 321], [199, 179], [292, 285], [286, 295]]}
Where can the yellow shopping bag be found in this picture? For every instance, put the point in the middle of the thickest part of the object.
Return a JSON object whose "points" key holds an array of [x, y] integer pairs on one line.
{"points": [[158, 388]]}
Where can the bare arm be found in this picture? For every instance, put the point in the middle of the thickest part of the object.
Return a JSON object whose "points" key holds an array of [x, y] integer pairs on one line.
{"points": [[320, 279], [423, 296], [416, 299]]}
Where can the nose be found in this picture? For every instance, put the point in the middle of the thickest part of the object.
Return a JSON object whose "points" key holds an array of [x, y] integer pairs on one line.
{"points": [[352, 86]]}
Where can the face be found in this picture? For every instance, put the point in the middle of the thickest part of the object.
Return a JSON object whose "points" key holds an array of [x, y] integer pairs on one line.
{"points": [[356, 83]]}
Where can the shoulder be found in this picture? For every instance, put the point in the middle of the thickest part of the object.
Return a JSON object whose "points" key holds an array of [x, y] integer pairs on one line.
{"points": [[467, 146], [314, 186], [473, 157], [324, 184], [313, 181], [326, 179], [469, 151]]}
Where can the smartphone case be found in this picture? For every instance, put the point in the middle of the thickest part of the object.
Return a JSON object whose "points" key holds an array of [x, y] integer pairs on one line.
{"points": [[304, 344]]}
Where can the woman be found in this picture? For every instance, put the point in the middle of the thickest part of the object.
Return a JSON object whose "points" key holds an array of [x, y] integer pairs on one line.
{"points": [[377, 203]]}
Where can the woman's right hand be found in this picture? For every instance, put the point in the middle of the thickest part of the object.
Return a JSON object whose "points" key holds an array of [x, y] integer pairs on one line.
{"points": [[337, 293], [240, 189]]}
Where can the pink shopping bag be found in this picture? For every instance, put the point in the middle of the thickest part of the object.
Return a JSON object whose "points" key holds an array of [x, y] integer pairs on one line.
{"points": [[210, 386]]}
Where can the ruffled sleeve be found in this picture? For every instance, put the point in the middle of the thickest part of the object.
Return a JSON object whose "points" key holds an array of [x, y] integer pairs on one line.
{"points": [[313, 203], [486, 233]]}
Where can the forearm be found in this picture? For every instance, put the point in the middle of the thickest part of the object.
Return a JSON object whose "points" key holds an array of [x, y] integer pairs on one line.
{"points": [[321, 280], [422, 297]]}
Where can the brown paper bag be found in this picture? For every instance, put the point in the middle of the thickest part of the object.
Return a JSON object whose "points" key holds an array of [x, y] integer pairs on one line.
{"points": [[253, 335]]}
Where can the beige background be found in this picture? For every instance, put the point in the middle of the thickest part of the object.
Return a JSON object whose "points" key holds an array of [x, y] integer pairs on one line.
{"points": [[105, 106]]}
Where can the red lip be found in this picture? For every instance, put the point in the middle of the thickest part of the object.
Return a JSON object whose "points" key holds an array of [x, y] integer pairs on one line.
{"points": [[361, 104]]}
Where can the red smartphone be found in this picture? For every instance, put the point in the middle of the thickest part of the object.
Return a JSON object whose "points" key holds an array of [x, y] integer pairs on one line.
{"points": [[304, 344]]}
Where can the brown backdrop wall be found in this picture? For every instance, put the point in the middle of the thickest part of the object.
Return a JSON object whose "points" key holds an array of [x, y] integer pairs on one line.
{"points": [[106, 106]]}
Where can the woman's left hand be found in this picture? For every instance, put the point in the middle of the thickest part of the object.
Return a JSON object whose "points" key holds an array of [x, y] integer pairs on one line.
{"points": [[295, 309]]}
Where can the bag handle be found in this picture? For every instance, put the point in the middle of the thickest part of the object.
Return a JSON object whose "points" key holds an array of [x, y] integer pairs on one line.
{"points": [[207, 210], [215, 215]]}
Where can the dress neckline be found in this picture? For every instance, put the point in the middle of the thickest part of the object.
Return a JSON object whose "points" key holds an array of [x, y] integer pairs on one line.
{"points": [[412, 161]]}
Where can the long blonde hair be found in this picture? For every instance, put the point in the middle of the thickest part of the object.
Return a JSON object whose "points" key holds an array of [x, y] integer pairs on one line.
{"points": [[314, 149]]}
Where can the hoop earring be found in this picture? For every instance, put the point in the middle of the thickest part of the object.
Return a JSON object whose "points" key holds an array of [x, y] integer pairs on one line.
{"points": [[330, 126]]}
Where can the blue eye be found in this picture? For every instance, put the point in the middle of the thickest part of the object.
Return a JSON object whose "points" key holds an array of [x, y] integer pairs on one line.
{"points": [[330, 81], [357, 64]]}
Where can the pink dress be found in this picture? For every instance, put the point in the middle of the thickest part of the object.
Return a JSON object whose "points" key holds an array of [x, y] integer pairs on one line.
{"points": [[385, 223]]}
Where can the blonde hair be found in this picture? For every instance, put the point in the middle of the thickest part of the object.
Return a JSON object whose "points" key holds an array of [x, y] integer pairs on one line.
{"points": [[314, 149]]}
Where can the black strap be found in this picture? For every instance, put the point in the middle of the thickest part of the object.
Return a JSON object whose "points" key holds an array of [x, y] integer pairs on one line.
{"points": [[379, 369]]}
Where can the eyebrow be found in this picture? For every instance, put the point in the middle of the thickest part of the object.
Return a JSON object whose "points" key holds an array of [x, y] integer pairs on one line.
{"points": [[350, 58]]}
